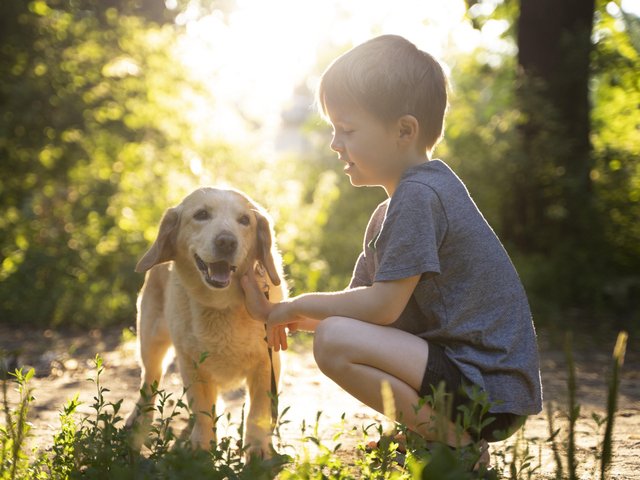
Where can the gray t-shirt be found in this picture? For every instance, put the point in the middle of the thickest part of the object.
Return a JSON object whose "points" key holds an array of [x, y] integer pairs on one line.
{"points": [[469, 298]]}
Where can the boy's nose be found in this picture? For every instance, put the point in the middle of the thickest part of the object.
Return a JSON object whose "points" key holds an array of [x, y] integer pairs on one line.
{"points": [[336, 145]]}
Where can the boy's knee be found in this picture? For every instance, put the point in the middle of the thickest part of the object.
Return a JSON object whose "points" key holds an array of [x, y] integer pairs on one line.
{"points": [[326, 343]]}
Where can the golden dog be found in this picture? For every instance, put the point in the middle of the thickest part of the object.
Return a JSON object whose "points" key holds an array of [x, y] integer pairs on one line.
{"points": [[192, 298]]}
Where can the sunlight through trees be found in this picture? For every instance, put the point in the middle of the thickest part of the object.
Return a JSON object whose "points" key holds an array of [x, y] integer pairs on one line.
{"points": [[110, 112]]}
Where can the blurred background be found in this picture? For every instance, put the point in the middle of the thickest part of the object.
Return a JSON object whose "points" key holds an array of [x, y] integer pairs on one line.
{"points": [[112, 110]]}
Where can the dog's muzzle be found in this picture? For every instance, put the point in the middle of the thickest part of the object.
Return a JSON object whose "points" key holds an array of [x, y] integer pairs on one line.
{"points": [[216, 274]]}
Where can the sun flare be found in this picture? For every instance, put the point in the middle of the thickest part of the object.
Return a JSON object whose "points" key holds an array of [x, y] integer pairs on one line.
{"points": [[254, 54]]}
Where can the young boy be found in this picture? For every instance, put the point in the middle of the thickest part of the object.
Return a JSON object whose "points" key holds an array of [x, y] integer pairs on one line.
{"points": [[434, 297]]}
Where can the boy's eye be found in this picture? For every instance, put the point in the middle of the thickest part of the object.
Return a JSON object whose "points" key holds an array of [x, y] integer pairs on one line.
{"points": [[202, 215]]}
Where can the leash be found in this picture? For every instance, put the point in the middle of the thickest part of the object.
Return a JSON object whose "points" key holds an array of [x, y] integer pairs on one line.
{"points": [[274, 389], [274, 383]]}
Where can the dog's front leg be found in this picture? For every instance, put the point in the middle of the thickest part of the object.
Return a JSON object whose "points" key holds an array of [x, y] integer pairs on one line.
{"points": [[259, 421], [153, 344], [201, 394]]}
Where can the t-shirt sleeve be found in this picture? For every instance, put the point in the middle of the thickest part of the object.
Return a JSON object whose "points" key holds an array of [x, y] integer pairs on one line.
{"points": [[364, 269], [412, 232], [360, 277]]}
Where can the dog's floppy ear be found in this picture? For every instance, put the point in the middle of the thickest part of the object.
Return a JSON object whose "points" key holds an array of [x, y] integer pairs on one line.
{"points": [[164, 248], [265, 243]]}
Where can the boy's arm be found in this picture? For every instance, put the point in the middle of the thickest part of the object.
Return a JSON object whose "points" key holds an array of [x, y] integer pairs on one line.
{"points": [[381, 303]]}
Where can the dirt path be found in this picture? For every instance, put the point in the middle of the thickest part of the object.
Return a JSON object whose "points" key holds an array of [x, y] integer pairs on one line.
{"points": [[63, 363]]}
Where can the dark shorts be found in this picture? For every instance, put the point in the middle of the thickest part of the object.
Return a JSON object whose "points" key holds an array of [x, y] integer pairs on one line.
{"points": [[441, 369]]}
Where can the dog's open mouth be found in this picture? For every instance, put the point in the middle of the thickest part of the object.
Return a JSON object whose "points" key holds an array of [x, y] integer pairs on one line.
{"points": [[216, 274]]}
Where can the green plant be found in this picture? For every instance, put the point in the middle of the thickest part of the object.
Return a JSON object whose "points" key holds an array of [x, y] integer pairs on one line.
{"points": [[13, 434], [604, 453], [94, 447], [522, 458], [162, 434], [612, 403], [98, 446], [553, 433], [574, 409]]}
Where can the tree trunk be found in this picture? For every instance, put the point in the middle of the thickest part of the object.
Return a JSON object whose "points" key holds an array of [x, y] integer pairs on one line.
{"points": [[551, 184]]}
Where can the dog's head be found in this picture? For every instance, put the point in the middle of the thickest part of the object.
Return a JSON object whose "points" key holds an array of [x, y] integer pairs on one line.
{"points": [[217, 235]]}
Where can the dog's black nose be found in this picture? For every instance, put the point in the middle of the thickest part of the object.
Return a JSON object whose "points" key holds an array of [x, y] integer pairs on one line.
{"points": [[226, 243]]}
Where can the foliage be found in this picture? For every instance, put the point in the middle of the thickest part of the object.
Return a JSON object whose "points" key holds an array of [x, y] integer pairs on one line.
{"points": [[603, 453], [85, 104], [96, 142], [14, 432], [616, 142]]}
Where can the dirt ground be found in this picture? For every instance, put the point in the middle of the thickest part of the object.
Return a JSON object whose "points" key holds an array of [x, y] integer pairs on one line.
{"points": [[64, 361]]}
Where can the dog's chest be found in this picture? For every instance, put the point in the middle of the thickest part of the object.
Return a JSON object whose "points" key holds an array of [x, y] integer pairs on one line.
{"points": [[225, 337]]}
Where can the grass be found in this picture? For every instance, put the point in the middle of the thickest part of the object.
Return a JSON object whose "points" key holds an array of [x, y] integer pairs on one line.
{"points": [[97, 446]]}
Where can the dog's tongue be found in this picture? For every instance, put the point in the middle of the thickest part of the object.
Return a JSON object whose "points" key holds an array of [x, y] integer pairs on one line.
{"points": [[216, 274], [219, 272]]}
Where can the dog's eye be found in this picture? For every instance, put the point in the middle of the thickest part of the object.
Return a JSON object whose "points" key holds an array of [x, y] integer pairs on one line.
{"points": [[244, 220], [202, 214]]}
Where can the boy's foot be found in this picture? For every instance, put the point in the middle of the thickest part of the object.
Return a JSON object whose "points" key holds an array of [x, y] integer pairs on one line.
{"points": [[383, 444], [485, 457], [482, 456], [386, 440]]}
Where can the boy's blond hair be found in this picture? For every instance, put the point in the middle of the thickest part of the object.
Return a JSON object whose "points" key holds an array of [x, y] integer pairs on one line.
{"points": [[389, 77]]}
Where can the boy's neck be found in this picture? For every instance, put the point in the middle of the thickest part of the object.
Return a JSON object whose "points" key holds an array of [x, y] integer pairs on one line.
{"points": [[411, 161]]}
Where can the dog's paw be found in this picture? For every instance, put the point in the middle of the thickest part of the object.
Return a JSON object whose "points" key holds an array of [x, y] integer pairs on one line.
{"points": [[262, 450], [138, 425], [201, 438], [132, 419]]}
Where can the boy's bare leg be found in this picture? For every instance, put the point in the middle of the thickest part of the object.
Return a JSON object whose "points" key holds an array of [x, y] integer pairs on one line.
{"points": [[360, 356]]}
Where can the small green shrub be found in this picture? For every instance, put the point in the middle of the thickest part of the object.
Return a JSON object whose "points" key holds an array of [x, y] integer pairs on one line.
{"points": [[13, 460]]}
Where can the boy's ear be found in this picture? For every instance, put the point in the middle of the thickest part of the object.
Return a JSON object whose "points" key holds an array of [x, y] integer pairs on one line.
{"points": [[408, 128]]}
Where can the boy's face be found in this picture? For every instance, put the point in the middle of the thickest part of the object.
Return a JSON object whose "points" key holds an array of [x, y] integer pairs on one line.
{"points": [[367, 145]]}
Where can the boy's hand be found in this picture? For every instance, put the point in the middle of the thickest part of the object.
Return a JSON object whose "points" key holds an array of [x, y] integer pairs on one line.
{"points": [[255, 301], [281, 318], [277, 337], [260, 309]]}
